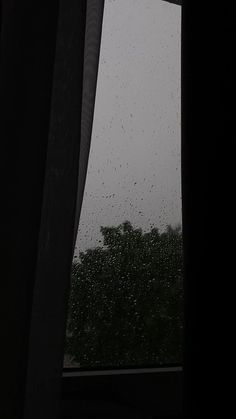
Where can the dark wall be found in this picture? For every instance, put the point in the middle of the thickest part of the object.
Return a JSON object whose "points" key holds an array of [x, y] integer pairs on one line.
{"points": [[208, 82]]}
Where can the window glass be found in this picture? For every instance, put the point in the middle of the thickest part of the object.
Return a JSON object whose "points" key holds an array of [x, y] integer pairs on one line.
{"points": [[126, 288]]}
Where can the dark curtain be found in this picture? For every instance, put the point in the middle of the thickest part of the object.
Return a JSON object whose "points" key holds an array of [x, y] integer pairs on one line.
{"points": [[49, 60]]}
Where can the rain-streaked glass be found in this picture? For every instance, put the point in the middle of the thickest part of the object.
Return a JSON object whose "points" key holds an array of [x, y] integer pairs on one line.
{"points": [[126, 295]]}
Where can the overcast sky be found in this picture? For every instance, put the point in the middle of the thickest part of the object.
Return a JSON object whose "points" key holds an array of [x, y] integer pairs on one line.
{"points": [[134, 170]]}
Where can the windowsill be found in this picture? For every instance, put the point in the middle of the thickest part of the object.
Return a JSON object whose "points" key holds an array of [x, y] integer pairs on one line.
{"points": [[122, 371], [139, 392]]}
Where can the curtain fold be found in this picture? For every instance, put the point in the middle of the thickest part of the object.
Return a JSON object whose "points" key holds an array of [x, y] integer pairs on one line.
{"points": [[75, 75], [91, 61]]}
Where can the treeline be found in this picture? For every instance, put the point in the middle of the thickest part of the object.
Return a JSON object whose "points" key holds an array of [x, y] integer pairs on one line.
{"points": [[126, 300]]}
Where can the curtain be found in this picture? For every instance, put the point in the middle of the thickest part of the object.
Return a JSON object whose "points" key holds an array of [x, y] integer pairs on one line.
{"points": [[49, 63], [91, 60], [28, 38]]}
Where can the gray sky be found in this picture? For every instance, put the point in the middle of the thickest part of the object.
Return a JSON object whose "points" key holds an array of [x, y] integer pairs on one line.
{"points": [[134, 170]]}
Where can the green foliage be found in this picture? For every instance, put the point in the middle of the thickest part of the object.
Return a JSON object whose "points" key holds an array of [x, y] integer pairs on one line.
{"points": [[126, 299]]}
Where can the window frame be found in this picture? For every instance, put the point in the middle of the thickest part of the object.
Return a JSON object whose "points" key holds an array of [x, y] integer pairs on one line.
{"points": [[83, 389]]}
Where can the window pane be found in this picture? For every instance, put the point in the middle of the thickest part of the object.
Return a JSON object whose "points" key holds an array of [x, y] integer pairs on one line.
{"points": [[126, 292]]}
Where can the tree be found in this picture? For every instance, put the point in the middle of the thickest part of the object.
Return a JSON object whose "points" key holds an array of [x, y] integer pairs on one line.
{"points": [[126, 299]]}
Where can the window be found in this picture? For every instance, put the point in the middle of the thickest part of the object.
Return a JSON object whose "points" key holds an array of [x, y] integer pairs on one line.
{"points": [[126, 292]]}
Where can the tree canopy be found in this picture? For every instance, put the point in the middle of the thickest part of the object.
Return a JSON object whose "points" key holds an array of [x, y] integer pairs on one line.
{"points": [[126, 299]]}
